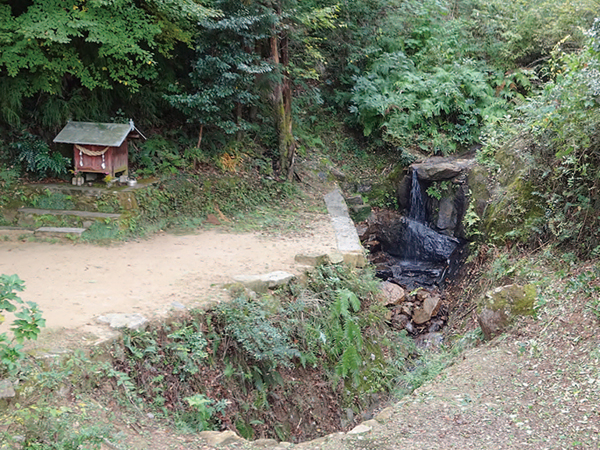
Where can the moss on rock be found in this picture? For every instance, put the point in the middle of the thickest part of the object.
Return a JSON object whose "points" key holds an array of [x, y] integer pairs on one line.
{"points": [[501, 306]]}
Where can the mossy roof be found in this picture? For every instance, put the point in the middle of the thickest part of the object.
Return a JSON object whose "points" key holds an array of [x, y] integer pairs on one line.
{"points": [[94, 133]]}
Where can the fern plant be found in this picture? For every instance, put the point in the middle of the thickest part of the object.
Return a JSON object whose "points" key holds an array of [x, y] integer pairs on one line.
{"points": [[37, 157]]}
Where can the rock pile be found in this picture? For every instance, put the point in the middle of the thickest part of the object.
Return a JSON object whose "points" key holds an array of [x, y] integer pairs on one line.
{"points": [[417, 312]]}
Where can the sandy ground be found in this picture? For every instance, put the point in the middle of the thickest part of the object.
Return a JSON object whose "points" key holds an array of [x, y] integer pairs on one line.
{"points": [[75, 283]]}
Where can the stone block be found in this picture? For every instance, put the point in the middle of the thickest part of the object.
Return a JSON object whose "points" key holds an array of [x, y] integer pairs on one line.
{"points": [[218, 438], [262, 283], [7, 389], [311, 259], [117, 321]]}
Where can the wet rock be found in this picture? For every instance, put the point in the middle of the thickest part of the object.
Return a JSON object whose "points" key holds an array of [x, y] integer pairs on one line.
{"points": [[447, 216], [429, 340], [501, 306], [430, 307], [402, 322], [434, 171], [117, 321], [407, 308], [435, 325], [373, 246], [403, 192], [392, 293], [415, 241]]}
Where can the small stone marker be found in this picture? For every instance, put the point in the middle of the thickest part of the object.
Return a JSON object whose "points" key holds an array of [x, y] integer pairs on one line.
{"points": [[7, 389]]}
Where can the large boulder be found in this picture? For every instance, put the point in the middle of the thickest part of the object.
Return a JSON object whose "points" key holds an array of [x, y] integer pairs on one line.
{"points": [[439, 169], [500, 307]]}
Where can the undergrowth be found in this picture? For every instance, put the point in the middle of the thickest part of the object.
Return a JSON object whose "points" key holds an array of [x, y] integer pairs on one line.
{"points": [[277, 364]]}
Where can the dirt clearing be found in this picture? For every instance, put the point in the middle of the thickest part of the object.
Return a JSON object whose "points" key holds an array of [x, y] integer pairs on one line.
{"points": [[75, 283]]}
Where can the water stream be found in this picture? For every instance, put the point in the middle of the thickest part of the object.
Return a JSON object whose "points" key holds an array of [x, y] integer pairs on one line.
{"points": [[418, 255]]}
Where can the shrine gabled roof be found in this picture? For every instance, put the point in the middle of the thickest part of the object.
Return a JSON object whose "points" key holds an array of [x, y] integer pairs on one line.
{"points": [[93, 133]]}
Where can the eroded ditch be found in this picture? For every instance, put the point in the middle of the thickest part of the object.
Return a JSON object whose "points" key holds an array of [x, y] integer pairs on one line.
{"points": [[314, 358], [300, 363]]}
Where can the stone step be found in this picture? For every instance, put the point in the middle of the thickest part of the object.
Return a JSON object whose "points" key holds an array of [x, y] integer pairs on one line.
{"points": [[67, 212], [59, 232]]}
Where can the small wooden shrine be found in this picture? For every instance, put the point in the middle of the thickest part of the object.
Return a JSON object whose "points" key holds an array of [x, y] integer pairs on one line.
{"points": [[99, 147]]}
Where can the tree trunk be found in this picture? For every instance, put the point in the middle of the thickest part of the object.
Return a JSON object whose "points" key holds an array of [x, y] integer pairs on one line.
{"points": [[282, 102], [200, 136]]}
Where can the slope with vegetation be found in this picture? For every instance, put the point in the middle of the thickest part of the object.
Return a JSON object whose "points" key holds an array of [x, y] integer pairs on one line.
{"points": [[233, 94]]}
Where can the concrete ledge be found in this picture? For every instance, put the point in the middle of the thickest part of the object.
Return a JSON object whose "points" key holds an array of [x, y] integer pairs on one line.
{"points": [[67, 212], [58, 232], [347, 239]]}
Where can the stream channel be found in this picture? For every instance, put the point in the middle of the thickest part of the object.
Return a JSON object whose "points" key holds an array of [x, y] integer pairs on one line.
{"points": [[407, 251]]}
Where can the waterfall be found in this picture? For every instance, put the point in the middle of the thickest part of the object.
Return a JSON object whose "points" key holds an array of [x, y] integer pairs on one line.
{"points": [[422, 254], [416, 208]]}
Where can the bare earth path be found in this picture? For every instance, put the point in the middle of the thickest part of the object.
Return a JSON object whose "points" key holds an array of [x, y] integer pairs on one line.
{"points": [[75, 283]]}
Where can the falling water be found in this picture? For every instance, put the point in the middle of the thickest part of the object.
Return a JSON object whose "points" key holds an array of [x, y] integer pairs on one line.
{"points": [[416, 208], [422, 255]]}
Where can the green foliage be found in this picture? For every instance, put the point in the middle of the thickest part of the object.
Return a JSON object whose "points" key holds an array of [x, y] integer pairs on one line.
{"points": [[224, 72], [253, 328], [40, 418], [158, 156], [47, 426], [183, 350], [26, 325], [524, 32], [9, 177], [38, 158], [203, 416], [184, 196], [440, 189], [559, 126], [52, 200], [441, 110], [61, 59]]}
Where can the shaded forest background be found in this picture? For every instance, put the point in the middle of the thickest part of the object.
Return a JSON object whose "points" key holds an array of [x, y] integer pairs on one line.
{"points": [[217, 81]]}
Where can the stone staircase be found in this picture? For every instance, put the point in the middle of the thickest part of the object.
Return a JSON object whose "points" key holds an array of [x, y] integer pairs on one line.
{"points": [[79, 214]]}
